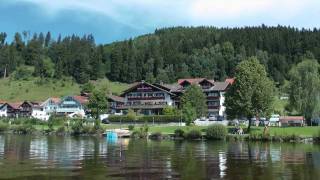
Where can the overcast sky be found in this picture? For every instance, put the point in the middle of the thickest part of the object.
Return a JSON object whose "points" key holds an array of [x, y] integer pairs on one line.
{"points": [[112, 20]]}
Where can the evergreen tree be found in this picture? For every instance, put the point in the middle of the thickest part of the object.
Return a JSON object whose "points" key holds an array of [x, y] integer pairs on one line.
{"points": [[47, 40]]}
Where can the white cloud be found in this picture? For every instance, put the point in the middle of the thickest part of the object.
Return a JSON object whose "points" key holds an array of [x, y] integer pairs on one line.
{"points": [[155, 13]]}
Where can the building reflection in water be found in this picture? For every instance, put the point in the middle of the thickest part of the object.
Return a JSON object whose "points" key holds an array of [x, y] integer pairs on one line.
{"points": [[222, 164], [2, 144]]}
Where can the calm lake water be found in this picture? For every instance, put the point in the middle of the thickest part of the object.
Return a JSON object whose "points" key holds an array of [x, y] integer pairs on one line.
{"points": [[32, 157]]}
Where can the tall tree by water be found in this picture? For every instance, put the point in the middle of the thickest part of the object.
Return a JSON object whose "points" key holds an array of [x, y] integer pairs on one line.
{"points": [[304, 91], [251, 95]]}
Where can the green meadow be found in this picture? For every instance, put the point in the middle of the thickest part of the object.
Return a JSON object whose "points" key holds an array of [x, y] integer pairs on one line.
{"points": [[36, 90]]}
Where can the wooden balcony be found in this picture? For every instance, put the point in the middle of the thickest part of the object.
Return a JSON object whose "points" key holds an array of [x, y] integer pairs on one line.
{"points": [[142, 105], [145, 98], [213, 107]]}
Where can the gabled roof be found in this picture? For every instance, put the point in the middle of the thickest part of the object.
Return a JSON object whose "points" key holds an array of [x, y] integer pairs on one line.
{"points": [[169, 87], [81, 99], [191, 80], [230, 80], [220, 86], [55, 100], [116, 98], [15, 105], [134, 85]]}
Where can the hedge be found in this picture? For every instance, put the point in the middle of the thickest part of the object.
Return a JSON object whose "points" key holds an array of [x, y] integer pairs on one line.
{"points": [[143, 119]]}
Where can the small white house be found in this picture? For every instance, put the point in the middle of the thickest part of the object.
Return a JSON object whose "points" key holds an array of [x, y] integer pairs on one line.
{"points": [[39, 113], [50, 105]]}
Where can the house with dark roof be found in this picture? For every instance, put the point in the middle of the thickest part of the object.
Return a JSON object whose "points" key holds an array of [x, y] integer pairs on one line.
{"points": [[143, 97], [148, 98], [214, 92], [10, 110]]}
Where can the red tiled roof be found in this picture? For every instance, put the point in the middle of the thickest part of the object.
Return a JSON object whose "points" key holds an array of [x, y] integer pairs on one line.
{"points": [[291, 118], [56, 100], [15, 105], [81, 99], [230, 80]]}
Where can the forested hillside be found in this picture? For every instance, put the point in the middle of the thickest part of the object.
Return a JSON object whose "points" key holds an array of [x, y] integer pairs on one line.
{"points": [[165, 55]]}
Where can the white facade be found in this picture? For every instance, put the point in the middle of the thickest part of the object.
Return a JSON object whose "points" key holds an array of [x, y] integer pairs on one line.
{"points": [[49, 106], [222, 109], [40, 114], [3, 111]]}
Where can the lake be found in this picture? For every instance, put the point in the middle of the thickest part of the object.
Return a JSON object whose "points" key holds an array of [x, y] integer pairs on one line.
{"points": [[52, 157]]}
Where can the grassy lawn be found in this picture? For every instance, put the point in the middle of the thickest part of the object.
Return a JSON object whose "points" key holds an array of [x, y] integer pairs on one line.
{"points": [[165, 129], [14, 91], [301, 131]]}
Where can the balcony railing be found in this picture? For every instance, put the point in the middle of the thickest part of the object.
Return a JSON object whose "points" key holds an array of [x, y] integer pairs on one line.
{"points": [[145, 98], [213, 107], [142, 105]]}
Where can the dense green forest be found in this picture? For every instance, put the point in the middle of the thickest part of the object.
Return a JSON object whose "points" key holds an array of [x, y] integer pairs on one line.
{"points": [[165, 55]]}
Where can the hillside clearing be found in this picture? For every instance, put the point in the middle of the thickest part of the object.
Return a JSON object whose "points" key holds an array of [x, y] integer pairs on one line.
{"points": [[32, 90]]}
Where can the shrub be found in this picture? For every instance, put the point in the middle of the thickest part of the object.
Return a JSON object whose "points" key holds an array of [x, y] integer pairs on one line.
{"points": [[61, 130], [179, 133], [141, 133], [16, 121], [77, 126], [56, 120], [156, 136], [143, 119], [23, 129], [194, 134], [3, 127], [131, 127], [259, 137], [87, 129], [217, 131], [33, 121], [316, 137]]}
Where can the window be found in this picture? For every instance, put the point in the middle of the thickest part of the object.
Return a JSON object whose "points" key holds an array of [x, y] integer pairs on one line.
{"points": [[213, 103]]}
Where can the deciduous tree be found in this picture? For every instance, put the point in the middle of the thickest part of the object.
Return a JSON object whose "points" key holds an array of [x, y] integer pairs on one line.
{"points": [[251, 95]]}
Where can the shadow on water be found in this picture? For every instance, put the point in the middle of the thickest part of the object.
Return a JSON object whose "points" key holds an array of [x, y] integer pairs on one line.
{"points": [[33, 157]]}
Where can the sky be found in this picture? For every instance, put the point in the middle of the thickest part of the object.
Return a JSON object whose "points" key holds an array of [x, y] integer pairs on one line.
{"points": [[116, 20]]}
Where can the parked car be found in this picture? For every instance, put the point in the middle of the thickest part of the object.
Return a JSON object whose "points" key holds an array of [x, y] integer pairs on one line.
{"points": [[316, 121], [261, 122], [274, 120], [207, 121], [105, 121]]}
